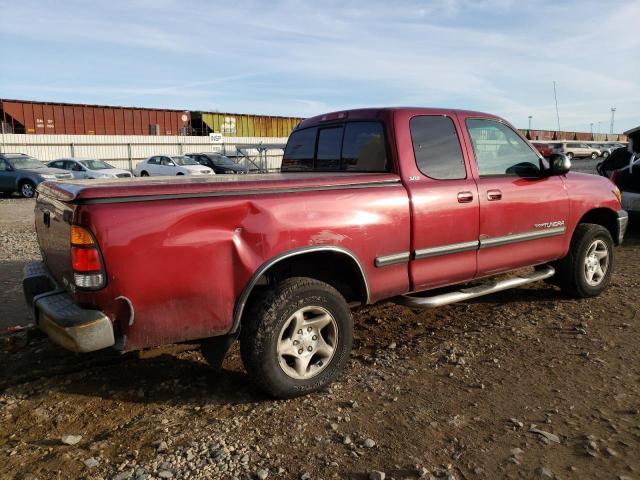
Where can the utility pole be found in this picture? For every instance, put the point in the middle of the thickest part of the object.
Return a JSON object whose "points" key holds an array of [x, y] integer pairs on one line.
{"points": [[592, 137], [530, 117], [613, 114], [555, 96]]}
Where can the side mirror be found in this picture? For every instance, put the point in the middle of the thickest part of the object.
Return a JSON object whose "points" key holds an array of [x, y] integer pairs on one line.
{"points": [[559, 164]]}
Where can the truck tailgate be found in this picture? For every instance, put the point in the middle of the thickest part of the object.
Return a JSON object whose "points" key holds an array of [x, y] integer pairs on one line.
{"points": [[53, 219]]}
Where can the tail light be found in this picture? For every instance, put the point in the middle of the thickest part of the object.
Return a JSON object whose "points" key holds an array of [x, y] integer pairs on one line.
{"points": [[613, 176], [86, 261]]}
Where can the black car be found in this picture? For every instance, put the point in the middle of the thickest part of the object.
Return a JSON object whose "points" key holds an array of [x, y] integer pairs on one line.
{"points": [[218, 163]]}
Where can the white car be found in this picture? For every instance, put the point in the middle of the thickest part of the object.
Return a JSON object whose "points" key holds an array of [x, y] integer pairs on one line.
{"points": [[89, 168], [170, 165]]}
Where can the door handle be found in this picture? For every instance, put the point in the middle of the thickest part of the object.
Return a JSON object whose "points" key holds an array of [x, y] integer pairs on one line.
{"points": [[465, 197], [494, 195]]}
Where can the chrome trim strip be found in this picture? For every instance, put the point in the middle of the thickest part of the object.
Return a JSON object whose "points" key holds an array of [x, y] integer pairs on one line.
{"points": [[392, 259], [241, 193], [521, 237], [244, 296], [486, 288], [446, 249]]}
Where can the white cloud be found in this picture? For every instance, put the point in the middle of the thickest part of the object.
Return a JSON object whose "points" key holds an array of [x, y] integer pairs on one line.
{"points": [[300, 58]]}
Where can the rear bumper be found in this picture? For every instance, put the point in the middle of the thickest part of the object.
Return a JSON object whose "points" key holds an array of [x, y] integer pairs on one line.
{"points": [[56, 314], [631, 201]]}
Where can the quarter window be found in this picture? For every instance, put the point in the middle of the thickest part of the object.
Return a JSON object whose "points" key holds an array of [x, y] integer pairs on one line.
{"points": [[500, 151], [436, 147], [298, 154]]}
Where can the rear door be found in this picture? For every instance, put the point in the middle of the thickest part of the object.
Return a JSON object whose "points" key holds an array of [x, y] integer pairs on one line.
{"points": [[443, 199], [522, 213]]}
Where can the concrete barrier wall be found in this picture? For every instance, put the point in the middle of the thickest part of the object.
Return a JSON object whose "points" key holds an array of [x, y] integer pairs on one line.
{"points": [[125, 151]]}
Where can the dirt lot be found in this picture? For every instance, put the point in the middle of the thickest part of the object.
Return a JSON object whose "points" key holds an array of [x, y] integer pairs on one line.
{"points": [[522, 384]]}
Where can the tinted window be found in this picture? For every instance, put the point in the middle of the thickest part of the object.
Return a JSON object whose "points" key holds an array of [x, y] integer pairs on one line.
{"points": [[329, 148], [500, 151], [153, 161], [363, 148], [298, 154], [3, 165], [57, 164], [436, 147]]}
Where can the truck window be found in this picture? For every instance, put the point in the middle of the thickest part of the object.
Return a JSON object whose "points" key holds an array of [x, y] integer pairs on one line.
{"points": [[355, 147], [436, 147], [329, 148], [298, 154], [500, 151]]}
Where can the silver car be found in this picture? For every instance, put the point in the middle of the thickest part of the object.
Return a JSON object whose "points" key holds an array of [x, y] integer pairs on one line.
{"points": [[89, 168]]}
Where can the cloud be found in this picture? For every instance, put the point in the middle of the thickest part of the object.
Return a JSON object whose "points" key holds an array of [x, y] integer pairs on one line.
{"points": [[300, 58]]}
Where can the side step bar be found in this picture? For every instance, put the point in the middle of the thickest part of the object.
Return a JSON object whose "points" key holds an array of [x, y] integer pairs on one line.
{"points": [[491, 286]]}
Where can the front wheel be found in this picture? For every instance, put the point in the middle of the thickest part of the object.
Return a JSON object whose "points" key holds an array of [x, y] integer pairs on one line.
{"points": [[586, 270], [27, 189], [296, 337], [144, 174], [594, 155], [605, 154], [569, 155]]}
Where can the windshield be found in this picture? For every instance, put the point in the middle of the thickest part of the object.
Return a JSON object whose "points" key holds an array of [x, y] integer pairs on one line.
{"points": [[96, 164], [24, 162], [184, 161], [222, 160]]}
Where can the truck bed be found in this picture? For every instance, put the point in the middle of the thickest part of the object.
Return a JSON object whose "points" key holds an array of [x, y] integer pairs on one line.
{"points": [[150, 188]]}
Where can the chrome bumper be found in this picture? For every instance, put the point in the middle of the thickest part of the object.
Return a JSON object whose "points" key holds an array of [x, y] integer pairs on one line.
{"points": [[623, 222], [56, 314]]}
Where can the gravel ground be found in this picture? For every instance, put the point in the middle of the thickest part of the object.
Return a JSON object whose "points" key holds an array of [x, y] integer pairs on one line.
{"points": [[522, 384]]}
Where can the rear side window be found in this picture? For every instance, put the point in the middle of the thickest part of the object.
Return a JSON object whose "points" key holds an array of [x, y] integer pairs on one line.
{"points": [[299, 152], [436, 147], [355, 147]]}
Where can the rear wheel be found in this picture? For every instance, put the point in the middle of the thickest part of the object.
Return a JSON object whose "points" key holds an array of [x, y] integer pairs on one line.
{"points": [[296, 337], [179, 173], [569, 155], [27, 189], [605, 154], [144, 173], [586, 270]]}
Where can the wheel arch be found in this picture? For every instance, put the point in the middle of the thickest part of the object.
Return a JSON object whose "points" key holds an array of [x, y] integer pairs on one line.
{"points": [[327, 263], [602, 216]]}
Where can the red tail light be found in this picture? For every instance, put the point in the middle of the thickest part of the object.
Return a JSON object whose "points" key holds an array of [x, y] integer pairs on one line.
{"points": [[85, 259], [88, 271]]}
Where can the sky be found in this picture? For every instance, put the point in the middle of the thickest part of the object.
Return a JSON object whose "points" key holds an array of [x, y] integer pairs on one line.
{"points": [[302, 58]]}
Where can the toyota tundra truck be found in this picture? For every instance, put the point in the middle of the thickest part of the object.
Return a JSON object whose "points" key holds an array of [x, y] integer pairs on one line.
{"points": [[424, 207]]}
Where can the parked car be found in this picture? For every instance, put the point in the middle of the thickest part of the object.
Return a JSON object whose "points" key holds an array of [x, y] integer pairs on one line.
{"points": [[576, 150], [370, 205], [170, 165], [89, 168], [22, 173], [218, 163], [545, 149]]}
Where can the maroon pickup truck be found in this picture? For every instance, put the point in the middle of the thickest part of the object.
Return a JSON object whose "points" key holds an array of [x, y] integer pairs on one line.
{"points": [[369, 205]]}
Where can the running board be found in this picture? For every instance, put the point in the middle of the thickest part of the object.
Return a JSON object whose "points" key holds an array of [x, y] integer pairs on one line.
{"points": [[476, 291]]}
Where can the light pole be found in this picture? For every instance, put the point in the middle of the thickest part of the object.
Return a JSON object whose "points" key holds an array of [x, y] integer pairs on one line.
{"points": [[530, 117], [592, 138], [613, 114]]}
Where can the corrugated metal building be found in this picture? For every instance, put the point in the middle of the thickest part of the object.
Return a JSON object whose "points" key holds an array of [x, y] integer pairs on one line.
{"points": [[17, 116]]}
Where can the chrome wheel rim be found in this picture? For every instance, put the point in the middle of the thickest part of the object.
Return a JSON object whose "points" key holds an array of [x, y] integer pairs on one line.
{"points": [[307, 342], [596, 262], [27, 190]]}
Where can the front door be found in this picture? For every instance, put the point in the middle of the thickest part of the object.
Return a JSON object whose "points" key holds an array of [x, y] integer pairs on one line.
{"points": [[443, 200], [7, 177], [523, 213]]}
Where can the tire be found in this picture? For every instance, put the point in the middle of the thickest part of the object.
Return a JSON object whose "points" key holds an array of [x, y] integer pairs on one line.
{"points": [[569, 155], [27, 189], [144, 173], [594, 155], [179, 173], [279, 338], [605, 154], [589, 243]]}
